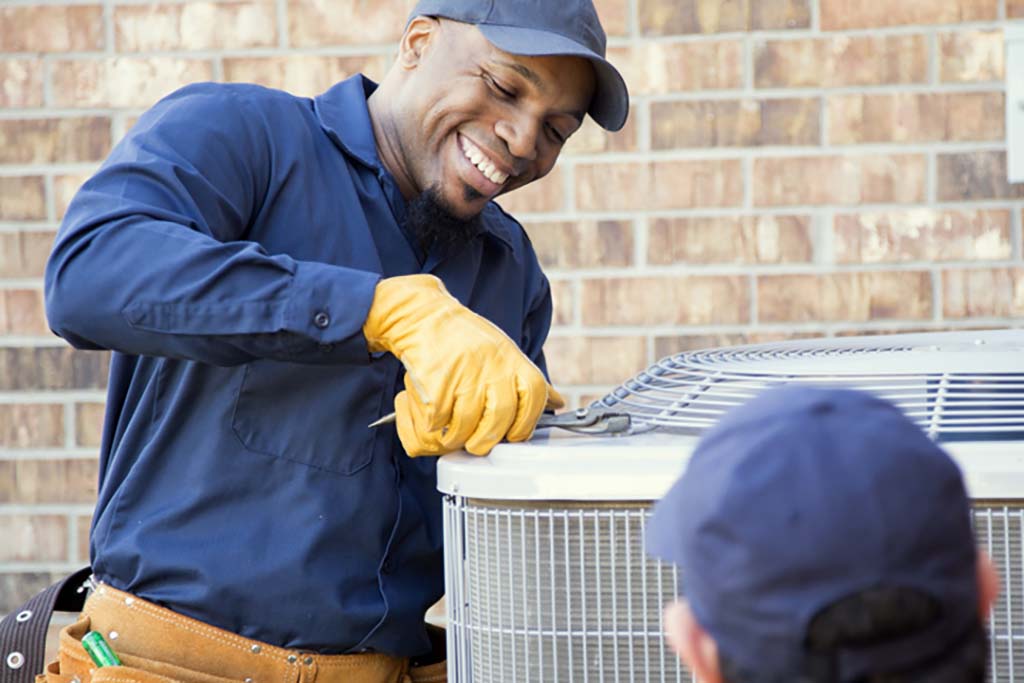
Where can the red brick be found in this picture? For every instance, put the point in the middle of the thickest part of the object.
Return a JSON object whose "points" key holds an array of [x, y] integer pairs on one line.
{"points": [[916, 117], [594, 360], [591, 138], [51, 28], [766, 15], [22, 198], [728, 239], [82, 525], [21, 83], [900, 329], [29, 425], [124, 81], [582, 244], [305, 75], [17, 587], [833, 297], [988, 293], [48, 481], [662, 17], [839, 180], [64, 189], [40, 141], [841, 14], [563, 297], [89, 424], [540, 196], [659, 185], [23, 254], [657, 68], [683, 343], [614, 15], [923, 235], [841, 61], [672, 345], [975, 175], [51, 367], [195, 26], [686, 300], [315, 22], [21, 312], [735, 123], [971, 56], [33, 538]]}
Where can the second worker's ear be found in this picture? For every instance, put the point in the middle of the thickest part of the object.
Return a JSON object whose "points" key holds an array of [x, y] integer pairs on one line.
{"points": [[692, 643], [988, 584]]}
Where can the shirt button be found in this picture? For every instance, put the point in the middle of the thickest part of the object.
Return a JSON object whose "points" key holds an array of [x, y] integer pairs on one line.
{"points": [[321, 320]]}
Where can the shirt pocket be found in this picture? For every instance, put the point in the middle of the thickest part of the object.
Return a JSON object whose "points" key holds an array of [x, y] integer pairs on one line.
{"points": [[315, 415]]}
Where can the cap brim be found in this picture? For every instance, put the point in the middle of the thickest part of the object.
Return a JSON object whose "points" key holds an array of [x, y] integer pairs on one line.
{"points": [[610, 104]]}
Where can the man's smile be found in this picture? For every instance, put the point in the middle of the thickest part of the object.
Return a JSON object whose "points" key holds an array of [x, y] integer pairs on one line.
{"points": [[490, 170]]}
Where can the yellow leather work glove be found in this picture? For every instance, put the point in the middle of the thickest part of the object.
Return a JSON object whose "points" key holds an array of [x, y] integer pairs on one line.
{"points": [[467, 384]]}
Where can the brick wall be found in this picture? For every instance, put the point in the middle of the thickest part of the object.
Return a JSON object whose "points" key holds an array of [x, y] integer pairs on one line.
{"points": [[790, 168]]}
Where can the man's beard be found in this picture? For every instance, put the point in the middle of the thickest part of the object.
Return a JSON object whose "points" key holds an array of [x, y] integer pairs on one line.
{"points": [[434, 223]]}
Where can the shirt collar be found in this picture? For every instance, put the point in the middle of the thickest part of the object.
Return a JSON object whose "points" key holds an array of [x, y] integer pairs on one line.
{"points": [[345, 118]]}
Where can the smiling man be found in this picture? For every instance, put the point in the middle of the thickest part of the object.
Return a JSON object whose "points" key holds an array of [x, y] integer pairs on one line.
{"points": [[272, 274]]}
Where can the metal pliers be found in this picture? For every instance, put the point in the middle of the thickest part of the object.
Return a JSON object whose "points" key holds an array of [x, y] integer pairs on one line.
{"points": [[582, 421], [588, 421]]}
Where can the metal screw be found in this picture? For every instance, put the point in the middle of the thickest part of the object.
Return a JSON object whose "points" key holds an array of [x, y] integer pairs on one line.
{"points": [[292, 659], [256, 649], [129, 601], [308, 661], [15, 660], [248, 680], [23, 616], [114, 635]]}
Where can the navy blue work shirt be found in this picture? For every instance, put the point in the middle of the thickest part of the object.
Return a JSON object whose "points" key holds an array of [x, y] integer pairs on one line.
{"points": [[227, 252]]}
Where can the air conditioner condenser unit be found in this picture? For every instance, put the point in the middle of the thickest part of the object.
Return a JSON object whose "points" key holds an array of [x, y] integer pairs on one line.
{"points": [[547, 577]]}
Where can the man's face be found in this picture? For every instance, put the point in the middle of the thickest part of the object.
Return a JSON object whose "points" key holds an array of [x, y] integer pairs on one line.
{"points": [[476, 121]]}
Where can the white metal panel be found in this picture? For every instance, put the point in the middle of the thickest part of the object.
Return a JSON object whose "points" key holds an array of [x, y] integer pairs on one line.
{"points": [[558, 467], [1013, 35]]}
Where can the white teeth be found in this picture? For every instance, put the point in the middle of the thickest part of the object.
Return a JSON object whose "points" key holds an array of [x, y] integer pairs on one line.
{"points": [[480, 160]]}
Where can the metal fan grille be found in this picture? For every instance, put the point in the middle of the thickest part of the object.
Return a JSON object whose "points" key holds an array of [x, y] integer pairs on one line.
{"points": [[1000, 529], [689, 392], [555, 593]]}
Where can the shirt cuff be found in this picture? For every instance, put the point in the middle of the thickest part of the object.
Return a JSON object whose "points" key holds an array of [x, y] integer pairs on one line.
{"points": [[329, 305]]}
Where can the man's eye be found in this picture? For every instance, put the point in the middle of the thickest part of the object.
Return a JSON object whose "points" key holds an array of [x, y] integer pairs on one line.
{"points": [[556, 135], [504, 92]]}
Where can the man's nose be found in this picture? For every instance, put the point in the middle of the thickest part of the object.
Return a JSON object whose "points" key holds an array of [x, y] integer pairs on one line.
{"points": [[520, 134]]}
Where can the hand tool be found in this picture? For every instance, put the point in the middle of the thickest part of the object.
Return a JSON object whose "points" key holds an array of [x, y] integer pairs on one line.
{"points": [[583, 421]]}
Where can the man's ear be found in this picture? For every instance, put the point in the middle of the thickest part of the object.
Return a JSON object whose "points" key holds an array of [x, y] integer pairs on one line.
{"points": [[418, 35], [988, 584], [691, 642]]}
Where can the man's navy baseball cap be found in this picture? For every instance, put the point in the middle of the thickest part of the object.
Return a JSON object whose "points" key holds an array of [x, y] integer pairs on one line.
{"points": [[537, 28], [804, 496]]}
